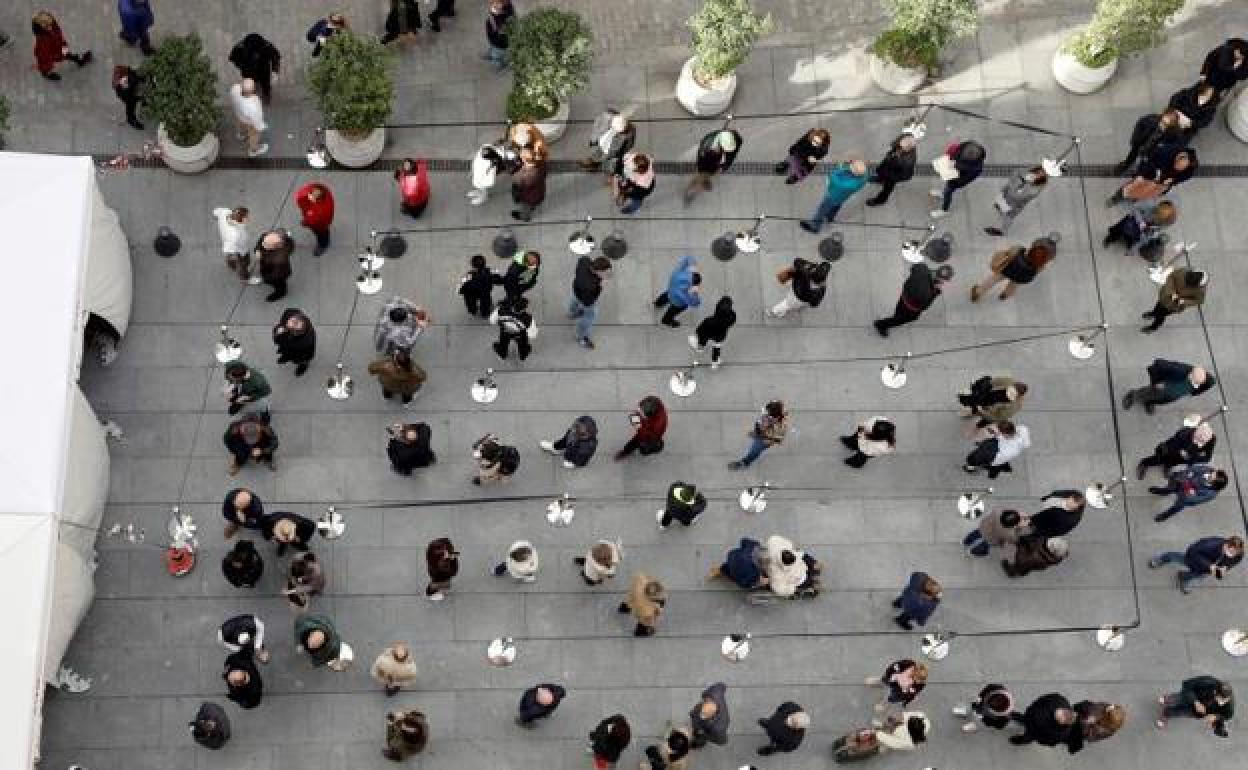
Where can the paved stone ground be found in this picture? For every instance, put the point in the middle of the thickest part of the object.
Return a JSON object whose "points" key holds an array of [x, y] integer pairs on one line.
{"points": [[149, 641]]}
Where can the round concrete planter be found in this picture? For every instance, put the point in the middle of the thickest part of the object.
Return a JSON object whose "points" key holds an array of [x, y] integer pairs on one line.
{"points": [[702, 100], [1237, 115], [894, 78], [1076, 77], [553, 127], [355, 153], [187, 160]]}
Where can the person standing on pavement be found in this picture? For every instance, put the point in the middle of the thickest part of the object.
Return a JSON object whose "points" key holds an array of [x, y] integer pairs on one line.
{"points": [[408, 447], [672, 753], [769, 430], [1188, 446], [304, 579], [514, 323], [611, 138], [288, 530], [646, 600], [244, 633], [577, 445], [895, 167], [241, 508], [632, 182], [1142, 229], [920, 290], [412, 177], [1196, 106], [249, 112], [317, 637], [874, 437], [961, 164], [1016, 266], [486, 164], [998, 528], [904, 680], [232, 226], [587, 285], [242, 566], [316, 204], [250, 438], [127, 84], [522, 563], [498, 13], [684, 504], [804, 155], [295, 339], [1034, 553], [442, 561], [407, 733], [1167, 167], [522, 274], [992, 399], [399, 324], [443, 9], [528, 185], [211, 726], [398, 376], [320, 32], [1183, 288], [993, 706], [918, 600], [785, 729], [1050, 721], [539, 702], [1021, 189], [650, 422], [1193, 485], [1169, 381], [246, 390], [808, 284], [599, 562], [1226, 65], [844, 179], [1000, 444], [394, 668], [1150, 132], [683, 291], [713, 330], [272, 258], [136, 19], [495, 461], [709, 717], [716, 153], [477, 287], [1208, 556], [743, 565], [242, 680], [1206, 698], [259, 60], [1063, 512], [51, 48], [403, 18], [608, 740]]}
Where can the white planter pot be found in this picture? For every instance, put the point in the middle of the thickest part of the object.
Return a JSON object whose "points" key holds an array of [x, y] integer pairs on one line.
{"points": [[1077, 78], [701, 100], [1237, 115], [553, 127], [894, 78], [187, 160], [355, 153]]}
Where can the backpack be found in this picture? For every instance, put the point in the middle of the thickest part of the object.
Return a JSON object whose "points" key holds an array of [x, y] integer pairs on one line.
{"points": [[509, 462]]}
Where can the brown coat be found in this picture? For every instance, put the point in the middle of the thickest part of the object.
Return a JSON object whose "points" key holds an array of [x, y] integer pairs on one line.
{"points": [[528, 184], [1004, 410], [398, 742], [395, 379], [645, 608], [1176, 296], [275, 263]]}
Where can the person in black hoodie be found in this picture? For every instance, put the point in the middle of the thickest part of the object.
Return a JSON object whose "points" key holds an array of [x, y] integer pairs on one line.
{"points": [[1226, 65], [591, 274], [409, 448], [897, 165], [1049, 720], [785, 728], [714, 330], [242, 680], [1188, 446], [295, 338], [968, 161], [811, 148], [808, 283], [920, 290], [211, 726], [716, 153], [126, 84], [1150, 132], [608, 740], [521, 274], [1196, 105], [242, 566], [258, 59], [514, 323], [477, 286], [577, 445]]}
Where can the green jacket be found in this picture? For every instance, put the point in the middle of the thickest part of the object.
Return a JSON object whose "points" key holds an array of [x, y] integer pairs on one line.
{"points": [[255, 387], [306, 624]]}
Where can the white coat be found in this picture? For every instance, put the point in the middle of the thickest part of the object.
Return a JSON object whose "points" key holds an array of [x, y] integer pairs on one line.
{"points": [[234, 236], [783, 579]]}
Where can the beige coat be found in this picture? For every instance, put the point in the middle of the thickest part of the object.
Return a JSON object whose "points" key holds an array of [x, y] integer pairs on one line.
{"points": [[523, 570], [599, 572], [783, 579], [646, 609], [387, 670], [873, 448]]}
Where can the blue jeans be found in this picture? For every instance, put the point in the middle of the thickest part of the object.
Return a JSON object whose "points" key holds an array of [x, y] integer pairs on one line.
{"points": [[826, 212], [1174, 557], [497, 55], [632, 206], [585, 316], [757, 447], [976, 543]]}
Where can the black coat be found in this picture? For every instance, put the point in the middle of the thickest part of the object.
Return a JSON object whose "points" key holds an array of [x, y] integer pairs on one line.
{"points": [[968, 168], [920, 289], [1179, 449], [1147, 134], [897, 165], [531, 709], [295, 347], [1186, 102], [305, 528], [609, 739], [518, 279], [1041, 724], [247, 696], [233, 629], [803, 150], [1159, 165], [242, 566], [211, 726], [711, 159], [130, 93], [405, 456], [1019, 269], [1055, 522], [275, 263], [480, 283], [803, 287], [587, 284], [1225, 78], [715, 326], [253, 514], [256, 58], [783, 737]]}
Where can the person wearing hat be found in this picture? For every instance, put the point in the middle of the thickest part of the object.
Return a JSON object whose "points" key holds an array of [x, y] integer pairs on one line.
{"points": [[646, 600], [716, 153], [919, 291], [785, 729], [1188, 446], [1193, 485], [1183, 288], [242, 566], [713, 330], [394, 668], [407, 732], [241, 508], [316, 636], [242, 680], [808, 284], [272, 255], [211, 726], [539, 702], [672, 753], [295, 339], [249, 438], [1035, 553], [650, 420], [682, 292], [844, 179], [1169, 381], [684, 504], [288, 530], [1021, 189], [1017, 265], [244, 633], [246, 389], [896, 166]]}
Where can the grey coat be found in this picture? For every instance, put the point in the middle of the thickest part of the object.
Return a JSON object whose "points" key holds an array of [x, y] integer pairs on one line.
{"points": [[620, 143], [995, 532], [1018, 191], [714, 729]]}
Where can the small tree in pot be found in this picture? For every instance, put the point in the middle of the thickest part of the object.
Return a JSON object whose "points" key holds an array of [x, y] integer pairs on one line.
{"points": [[1087, 60], [552, 53], [353, 86], [180, 93], [920, 30], [724, 33]]}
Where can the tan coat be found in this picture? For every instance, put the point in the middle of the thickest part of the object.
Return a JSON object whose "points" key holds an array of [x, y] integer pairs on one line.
{"points": [[1176, 296], [599, 572], [396, 380], [646, 609], [1006, 409], [387, 670]]}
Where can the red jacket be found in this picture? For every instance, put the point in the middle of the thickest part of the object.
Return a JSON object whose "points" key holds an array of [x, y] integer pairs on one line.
{"points": [[652, 428], [50, 47], [414, 186], [316, 214]]}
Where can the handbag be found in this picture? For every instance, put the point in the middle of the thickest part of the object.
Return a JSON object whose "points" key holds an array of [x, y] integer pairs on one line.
{"points": [[1000, 260], [785, 274], [532, 330], [945, 168], [1142, 189]]}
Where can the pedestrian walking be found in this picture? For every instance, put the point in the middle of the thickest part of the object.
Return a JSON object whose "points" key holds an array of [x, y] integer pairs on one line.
{"points": [[246, 390], [804, 154], [646, 599], [528, 185], [587, 286], [999, 444], [486, 165], [1193, 485], [242, 508], [1166, 168], [743, 565], [259, 60], [304, 579], [1142, 228], [316, 204], [992, 399], [399, 324], [895, 167], [323, 29], [1196, 106], [288, 530], [784, 565], [919, 291], [249, 438], [521, 274], [918, 600], [409, 447], [477, 287], [1188, 446], [684, 503], [522, 563], [578, 444], [272, 258], [608, 740], [407, 732], [1016, 266], [632, 182], [904, 680], [599, 562], [1204, 697], [998, 528], [1183, 288], [902, 732], [394, 668], [1050, 721], [136, 19], [1208, 556], [403, 18], [672, 753], [992, 707], [808, 285], [874, 437], [1150, 132], [232, 226], [713, 330], [1226, 65], [1022, 188], [1099, 720], [443, 9], [242, 565], [961, 164], [127, 84], [51, 47], [1035, 552], [683, 291], [844, 179], [211, 726], [244, 633], [249, 114], [514, 323], [1169, 381], [442, 561], [317, 637], [650, 423], [716, 153], [498, 13], [785, 729], [412, 177], [539, 702], [709, 719], [495, 461], [611, 138], [295, 338], [526, 135], [398, 376], [242, 680], [768, 430]]}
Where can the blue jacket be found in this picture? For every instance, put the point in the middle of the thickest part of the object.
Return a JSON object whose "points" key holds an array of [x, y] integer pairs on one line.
{"points": [[680, 284], [1206, 553], [740, 566], [914, 602], [843, 183], [1193, 486], [136, 16]]}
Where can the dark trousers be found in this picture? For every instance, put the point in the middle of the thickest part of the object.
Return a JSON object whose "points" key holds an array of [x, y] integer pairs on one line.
{"points": [[504, 344], [703, 339], [413, 211], [902, 314], [405, 397], [295, 357], [445, 8], [673, 310], [279, 289], [1158, 314], [132, 116], [1149, 396], [886, 189], [479, 304], [142, 38], [322, 236], [951, 186]]}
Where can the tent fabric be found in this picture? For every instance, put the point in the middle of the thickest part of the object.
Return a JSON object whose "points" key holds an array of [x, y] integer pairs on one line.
{"points": [[110, 282]]}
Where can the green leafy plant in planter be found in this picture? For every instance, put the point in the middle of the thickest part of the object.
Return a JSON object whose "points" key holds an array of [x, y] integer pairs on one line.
{"points": [[352, 83], [552, 52], [180, 90], [1121, 27], [724, 31], [921, 29]]}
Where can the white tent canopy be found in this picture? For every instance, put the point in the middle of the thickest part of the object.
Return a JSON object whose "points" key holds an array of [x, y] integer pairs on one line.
{"points": [[66, 258]]}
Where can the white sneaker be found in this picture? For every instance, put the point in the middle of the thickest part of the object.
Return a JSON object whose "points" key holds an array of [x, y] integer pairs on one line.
{"points": [[658, 516], [262, 149], [436, 597], [936, 192], [970, 727], [714, 365], [549, 446], [568, 465], [693, 343], [872, 681], [938, 214], [960, 710]]}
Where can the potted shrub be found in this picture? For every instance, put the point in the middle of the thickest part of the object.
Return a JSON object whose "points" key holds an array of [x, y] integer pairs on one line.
{"points": [[552, 52], [352, 84], [724, 31], [1087, 60], [180, 94], [905, 54]]}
